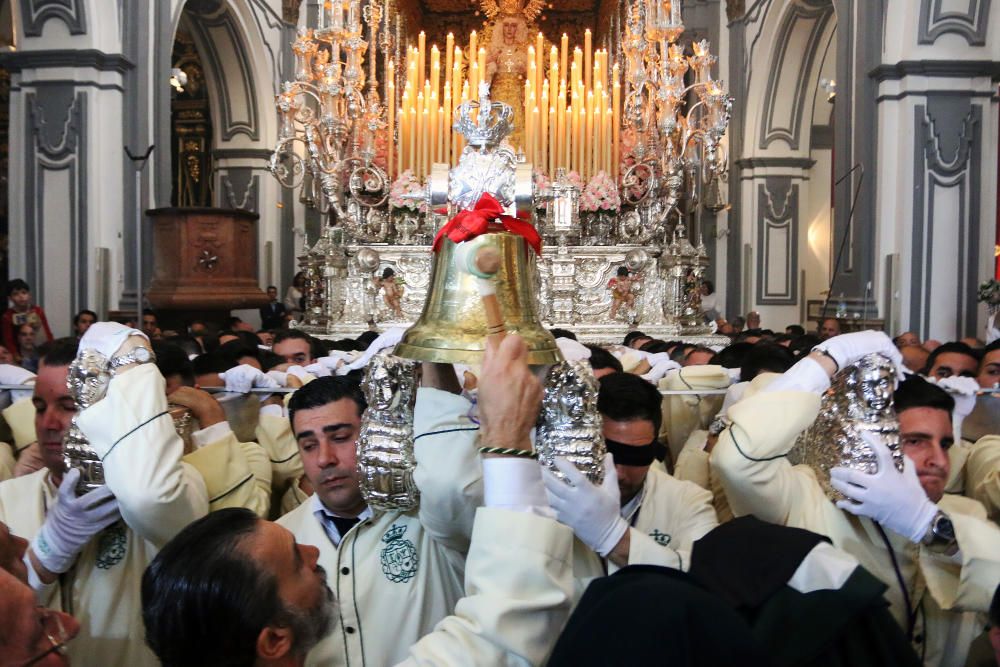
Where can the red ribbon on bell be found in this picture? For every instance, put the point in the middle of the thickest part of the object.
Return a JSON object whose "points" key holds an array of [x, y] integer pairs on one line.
{"points": [[470, 223]]}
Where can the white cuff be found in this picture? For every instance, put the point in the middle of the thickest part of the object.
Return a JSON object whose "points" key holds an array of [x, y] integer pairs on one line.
{"points": [[210, 434], [273, 410], [806, 375], [40, 588], [515, 484]]}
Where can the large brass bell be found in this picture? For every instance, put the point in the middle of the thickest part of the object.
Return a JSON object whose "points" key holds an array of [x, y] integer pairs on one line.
{"points": [[452, 327]]}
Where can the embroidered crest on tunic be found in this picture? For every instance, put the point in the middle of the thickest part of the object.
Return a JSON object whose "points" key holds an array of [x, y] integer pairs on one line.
{"points": [[111, 546], [399, 557], [663, 539]]}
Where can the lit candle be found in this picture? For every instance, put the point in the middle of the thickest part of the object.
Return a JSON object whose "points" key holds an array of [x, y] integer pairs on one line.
{"points": [[616, 96], [481, 60], [529, 130], [578, 65], [473, 46], [448, 55], [421, 56], [553, 147], [400, 157], [563, 129], [473, 81], [536, 135], [435, 70], [609, 166], [441, 131], [588, 137], [543, 147], [390, 104], [574, 122], [432, 104], [447, 124], [456, 76], [587, 57], [421, 131], [564, 56], [539, 63], [567, 157], [425, 159], [553, 71], [412, 151]]}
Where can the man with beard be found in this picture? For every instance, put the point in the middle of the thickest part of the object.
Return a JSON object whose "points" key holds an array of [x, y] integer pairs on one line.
{"points": [[233, 590], [938, 556]]}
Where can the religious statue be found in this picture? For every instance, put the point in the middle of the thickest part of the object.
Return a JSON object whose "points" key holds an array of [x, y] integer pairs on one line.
{"points": [[509, 25], [392, 291], [621, 290]]}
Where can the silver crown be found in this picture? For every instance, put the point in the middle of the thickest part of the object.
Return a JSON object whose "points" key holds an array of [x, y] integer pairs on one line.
{"points": [[494, 124]]}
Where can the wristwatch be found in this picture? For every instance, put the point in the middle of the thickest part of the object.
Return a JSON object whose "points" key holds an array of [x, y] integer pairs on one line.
{"points": [[940, 535], [138, 355]]}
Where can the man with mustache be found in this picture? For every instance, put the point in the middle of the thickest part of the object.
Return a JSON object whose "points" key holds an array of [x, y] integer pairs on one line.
{"points": [[938, 556]]}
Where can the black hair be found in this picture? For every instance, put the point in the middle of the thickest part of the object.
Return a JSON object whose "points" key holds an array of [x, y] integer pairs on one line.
{"points": [[16, 284], [204, 600], [269, 360], [766, 358], [76, 318], [622, 271], [233, 321], [342, 345], [149, 311], [953, 347], [387, 273], [326, 390], [631, 336], [733, 356], [916, 392], [601, 358], [58, 352], [235, 350], [992, 347], [627, 397], [738, 321], [316, 347], [802, 345], [562, 333], [709, 284], [187, 343], [274, 287], [995, 609], [171, 359], [700, 348], [366, 339], [678, 352], [654, 346], [211, 363], [796, 330]]}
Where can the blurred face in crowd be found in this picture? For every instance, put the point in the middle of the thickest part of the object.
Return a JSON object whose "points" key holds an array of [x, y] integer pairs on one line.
{"points": [[265, 338], [83, 323], [54, 409], [32, 635], [636, 432], [149, 325], [5, 356], [272, 293], [925, 434], [989, 370], [914, 357], [26, 337], [295, 351], [829, 328], [753, 320], [950, 364], [327, 438], [907, 338], [21, 299]]}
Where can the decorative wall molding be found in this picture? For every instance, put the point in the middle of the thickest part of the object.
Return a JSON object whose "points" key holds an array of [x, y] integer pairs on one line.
{"points": [[237, 93], [777, 241], [241, 188], [954, 69], [779, 161], [34, 14], [16, 61], [790, 74], [56, 124], [970, 24], [944, 261]]}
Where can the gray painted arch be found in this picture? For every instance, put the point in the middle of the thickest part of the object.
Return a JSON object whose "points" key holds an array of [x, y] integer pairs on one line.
{"points": [[970, 24], [34, 14]]}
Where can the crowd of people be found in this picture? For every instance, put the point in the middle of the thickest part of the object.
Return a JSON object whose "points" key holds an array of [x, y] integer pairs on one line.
{"points": [[231, 527]]}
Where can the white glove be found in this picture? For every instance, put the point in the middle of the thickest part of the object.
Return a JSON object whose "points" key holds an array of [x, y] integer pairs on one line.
{"points": [[299, 372], [734, 374], [805, 375], [895, 500], [107, 337], [332, 362], [653, 358], [593, 512], [388, 338], [848, 348], [280, 377], [319, 370], [992, 332], [72, 522], [11, 374], [659, 370], [964, 391], [572, 350], [241, 379]]}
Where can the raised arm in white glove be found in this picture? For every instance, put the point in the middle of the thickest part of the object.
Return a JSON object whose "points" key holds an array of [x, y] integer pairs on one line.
{"points": [[319, 370], [849, 348], [593, 512], [241, 379], [388, 338], [107, 337], [892, 498], [71, 523], [964, 391]]}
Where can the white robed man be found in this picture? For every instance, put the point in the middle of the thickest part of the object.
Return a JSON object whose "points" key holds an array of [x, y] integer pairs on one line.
{"points": [[396, 573], [88, 552], [235, 590], [640, 514], [938, 556]]}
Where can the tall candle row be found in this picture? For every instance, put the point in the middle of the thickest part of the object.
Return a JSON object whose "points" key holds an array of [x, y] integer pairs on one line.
{"points": [[572, 116]]}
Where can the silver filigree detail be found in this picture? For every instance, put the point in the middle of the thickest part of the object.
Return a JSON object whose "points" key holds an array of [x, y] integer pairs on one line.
{"points": [[569, 425], [860, 399], [385, 444]]}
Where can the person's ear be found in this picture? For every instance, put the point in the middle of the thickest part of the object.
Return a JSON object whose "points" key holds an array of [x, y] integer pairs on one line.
{"points": [[274, 643]]}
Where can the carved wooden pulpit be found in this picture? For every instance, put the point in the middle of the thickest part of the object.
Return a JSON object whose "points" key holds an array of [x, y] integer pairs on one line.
{"points": [[205, 260]]}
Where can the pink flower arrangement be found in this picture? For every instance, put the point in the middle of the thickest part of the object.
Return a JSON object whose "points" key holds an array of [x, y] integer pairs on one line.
{"points": [[404, 185], [541, 184], [575, 180], [601, 194]]}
